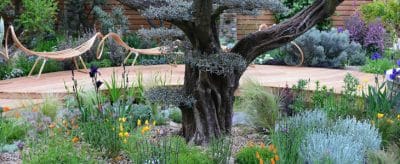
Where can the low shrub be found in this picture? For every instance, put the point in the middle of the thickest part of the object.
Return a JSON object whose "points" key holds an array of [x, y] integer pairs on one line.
{"points": [[166, 150], [58, 149], [311, 137], [378, 66], [330, 148]]}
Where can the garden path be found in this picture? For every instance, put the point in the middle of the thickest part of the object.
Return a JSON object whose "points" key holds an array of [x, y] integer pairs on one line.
{"points": [[16, 92]]}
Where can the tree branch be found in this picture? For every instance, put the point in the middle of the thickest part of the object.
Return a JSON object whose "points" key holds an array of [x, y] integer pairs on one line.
{"points": [[259, 42]]}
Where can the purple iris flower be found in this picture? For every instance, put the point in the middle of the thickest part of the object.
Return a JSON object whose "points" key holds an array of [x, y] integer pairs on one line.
{"points": [[398, 62], [376, 56], [340, 29], [394, 74], [98, 84], [93, 71]]}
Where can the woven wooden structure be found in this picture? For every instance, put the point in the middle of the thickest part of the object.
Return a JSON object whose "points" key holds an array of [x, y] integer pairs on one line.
{"points": [[137, 52], [70, 53]]}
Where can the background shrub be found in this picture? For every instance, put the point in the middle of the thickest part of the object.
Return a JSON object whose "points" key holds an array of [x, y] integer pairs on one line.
{"points": [[325, 49], [38, 18]]}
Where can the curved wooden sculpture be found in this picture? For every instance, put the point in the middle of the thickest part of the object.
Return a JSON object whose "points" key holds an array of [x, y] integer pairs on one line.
{"points": [[71, 53], [151, 51]]}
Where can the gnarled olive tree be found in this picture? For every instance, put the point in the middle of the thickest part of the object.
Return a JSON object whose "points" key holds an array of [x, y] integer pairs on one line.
{"points": [[211, 76]]}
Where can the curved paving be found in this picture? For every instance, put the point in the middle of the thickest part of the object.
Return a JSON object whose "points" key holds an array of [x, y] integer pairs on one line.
{"points": [[269, 76]]}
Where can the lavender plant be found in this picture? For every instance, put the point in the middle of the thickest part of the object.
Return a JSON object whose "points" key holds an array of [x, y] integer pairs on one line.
{"points": [[374, 37], [356, 27]]}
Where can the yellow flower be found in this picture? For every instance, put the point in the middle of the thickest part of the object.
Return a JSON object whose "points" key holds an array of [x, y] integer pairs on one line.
{"points": [[360, 87], [154, 123], [126, 134], [257, 155], [380, 115], [398, 116], [121, 128], [75, 139], [145, 129], [139, 122], [125, 140], [146, 122], [365, 81], [261, 161], [122, 119], [389, 121], [120, 134]]}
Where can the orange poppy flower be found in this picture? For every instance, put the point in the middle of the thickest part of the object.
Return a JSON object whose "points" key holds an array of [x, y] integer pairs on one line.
{"points": [[6, 109], [75, 139]]}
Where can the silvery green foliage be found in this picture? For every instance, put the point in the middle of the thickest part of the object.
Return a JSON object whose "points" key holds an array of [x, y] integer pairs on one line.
{"points": [[116, 21], [247, 6], [346, 141], [325, 49], [360, 132], [160, 33], [309, 120], [219, 64], [325, 147], [169, 96], [170, 10]]}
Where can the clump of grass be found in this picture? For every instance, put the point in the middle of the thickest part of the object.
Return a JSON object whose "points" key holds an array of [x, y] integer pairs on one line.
{"points": [[50, 106], [261, 105]]}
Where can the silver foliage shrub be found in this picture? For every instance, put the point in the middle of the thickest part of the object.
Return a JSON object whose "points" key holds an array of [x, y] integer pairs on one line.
{"points": [[326, 141], [325, 49], [309, 120], [322, 147], [359, 131], [346, 141]]}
